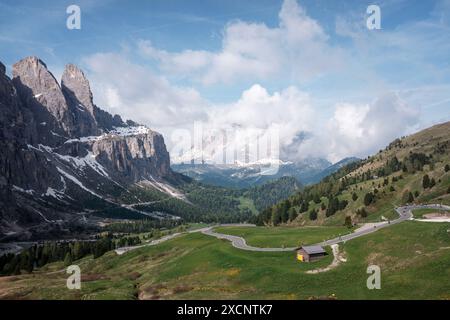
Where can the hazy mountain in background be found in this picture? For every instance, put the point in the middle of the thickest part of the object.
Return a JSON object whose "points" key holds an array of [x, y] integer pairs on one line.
{"points": [[307, 171]]}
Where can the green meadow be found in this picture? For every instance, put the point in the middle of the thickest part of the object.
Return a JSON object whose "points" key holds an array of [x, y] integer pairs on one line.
{"points": [[414, 258], [268, 237]]}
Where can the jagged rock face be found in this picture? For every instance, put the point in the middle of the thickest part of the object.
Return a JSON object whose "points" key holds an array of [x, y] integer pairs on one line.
{"points": [[106, 121], [89, 119], [19, 165], [77, 92], [58, 149], [73, 82], [10, 110], [39, 91], [136, 157]]}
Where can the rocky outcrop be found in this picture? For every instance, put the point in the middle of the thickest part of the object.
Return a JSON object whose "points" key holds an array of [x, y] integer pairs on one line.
{"points": [[77, 92], [61, 153], [19, 165], [135, 157], [89, 119], [22, 169], [74, 83], [41, 94]]}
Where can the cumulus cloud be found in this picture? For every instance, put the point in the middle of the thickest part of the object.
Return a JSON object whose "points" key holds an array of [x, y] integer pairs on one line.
{"points": [[359, 130], [122, 86], [135, 92], [298, 46], [259, 117]]}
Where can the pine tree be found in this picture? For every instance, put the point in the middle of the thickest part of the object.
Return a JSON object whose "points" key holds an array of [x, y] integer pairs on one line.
{"points": [[348, 222], [361, 212], [68, 259], [292, 214], [368, 198], [313, 215], [432, 183], [407, 197], [276, 216], [77, 251], [426, 181]]}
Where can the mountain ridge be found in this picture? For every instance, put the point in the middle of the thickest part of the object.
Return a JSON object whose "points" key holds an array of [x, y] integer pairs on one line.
{"points": [[307, 171], [60, 149]]}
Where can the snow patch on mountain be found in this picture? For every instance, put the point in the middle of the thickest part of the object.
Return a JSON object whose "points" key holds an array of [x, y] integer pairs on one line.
{"points": [[116, 131], [163, 187], [16, 188], [78, 183], [82, 162]]}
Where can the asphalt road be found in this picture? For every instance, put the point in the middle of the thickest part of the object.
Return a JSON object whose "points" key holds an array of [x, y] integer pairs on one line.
{"points": [[405, 213], [239, 242]]}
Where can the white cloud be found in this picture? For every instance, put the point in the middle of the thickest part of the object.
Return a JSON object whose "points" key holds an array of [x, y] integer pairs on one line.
{"points": [[298, 47], [359, 130], [257, 113], [135, 92]]}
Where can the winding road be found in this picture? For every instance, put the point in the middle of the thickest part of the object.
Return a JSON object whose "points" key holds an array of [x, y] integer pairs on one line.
{"points": [[405, 213]]}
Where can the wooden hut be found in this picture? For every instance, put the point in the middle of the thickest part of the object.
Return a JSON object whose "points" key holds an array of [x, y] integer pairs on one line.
{"points": [[310, 253]]}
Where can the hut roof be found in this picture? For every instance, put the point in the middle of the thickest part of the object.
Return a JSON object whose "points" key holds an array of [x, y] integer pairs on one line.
{"points": [[313, 249]]}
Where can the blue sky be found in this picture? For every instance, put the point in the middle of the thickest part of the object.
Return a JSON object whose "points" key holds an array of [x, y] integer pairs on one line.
{"points": [[310, 65]]}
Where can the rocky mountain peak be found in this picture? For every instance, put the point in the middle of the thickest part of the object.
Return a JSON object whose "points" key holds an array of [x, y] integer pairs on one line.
{"points": [[77, 91], [40, 91], [60, 151], [32, 62], [74, 82]]}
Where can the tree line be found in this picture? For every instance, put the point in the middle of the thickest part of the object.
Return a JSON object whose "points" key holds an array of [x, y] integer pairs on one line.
{"points": [[38, 255]]}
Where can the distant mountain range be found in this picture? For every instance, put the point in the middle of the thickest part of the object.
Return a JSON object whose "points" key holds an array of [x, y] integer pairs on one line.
{"points": [[307, 171]]}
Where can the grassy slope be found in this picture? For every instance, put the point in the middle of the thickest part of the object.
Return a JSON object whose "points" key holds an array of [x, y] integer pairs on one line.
{"points": [[414, 261], [283, 236], [422, 142], [414, 257]]}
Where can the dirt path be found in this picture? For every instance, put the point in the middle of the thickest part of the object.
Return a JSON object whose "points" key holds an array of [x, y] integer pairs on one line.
{"points": [[434, 217]]}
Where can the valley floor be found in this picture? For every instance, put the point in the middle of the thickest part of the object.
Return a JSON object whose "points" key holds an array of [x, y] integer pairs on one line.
{"points": [[414, 258]]}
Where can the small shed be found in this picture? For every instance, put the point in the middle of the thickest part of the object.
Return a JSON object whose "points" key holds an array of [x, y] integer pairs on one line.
{"points": [[310, 253]]}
